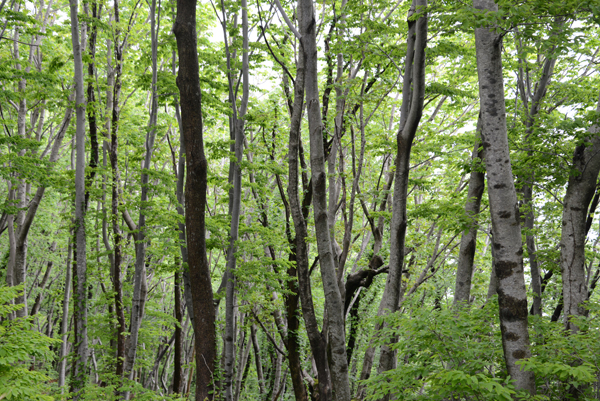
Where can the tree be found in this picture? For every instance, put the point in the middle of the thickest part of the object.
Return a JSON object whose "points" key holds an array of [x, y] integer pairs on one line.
{"points": [[508, 264], [80, 265], [195, 197]]}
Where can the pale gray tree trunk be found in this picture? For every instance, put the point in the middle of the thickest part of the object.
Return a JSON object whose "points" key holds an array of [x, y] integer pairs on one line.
{"points": [[580, 190], [80, 291], [333, 300], [532, 111], [64, 328], [139, 278], [238, 129], [468, 241], [506, 227], [28, 207]]}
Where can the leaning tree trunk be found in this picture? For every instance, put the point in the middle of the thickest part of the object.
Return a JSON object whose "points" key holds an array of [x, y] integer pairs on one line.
{"points": [[580, 191], [468, 241], [506, 228], [188, 82], [80, 290], [333, 300]]}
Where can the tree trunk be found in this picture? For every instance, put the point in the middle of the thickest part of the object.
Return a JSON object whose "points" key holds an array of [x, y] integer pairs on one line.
{"points": [[139, 280], [177, 372], [237, 121], [333, 300], [506, 227], [80, 290], [580, 190], [188, 83], [413, 93], [115, 182], [317, 341], [64, 331], [468, 241]]}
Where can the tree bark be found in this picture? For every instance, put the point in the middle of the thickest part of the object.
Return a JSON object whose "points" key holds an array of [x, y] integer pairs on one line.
{"points": [[188, 83], [139, 280], [580, 190], [177, 371], [333, 300], [80, 290], [318, 343], [506, 227], [115, 182], [237, 120], [468, 241], [64, 331], [413, 94]]}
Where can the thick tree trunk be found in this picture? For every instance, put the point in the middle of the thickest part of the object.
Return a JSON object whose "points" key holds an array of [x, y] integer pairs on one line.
{"points": [[188, 83], [506, 227], [333, 300], [580, 190], [80, 290], [468, 241]]}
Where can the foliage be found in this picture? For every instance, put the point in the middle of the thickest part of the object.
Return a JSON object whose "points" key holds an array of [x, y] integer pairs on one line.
{"points": [[23, 351]]}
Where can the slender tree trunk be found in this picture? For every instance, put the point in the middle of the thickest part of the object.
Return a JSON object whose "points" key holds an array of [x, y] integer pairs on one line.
{"points": [[259, 370], [413, 93], [80, 291], [115, 182], [318, 343], [38, 299], [139, 280], [293, 327], [238, 128], [468, 241], [333, 300], [529, 178], [177, 377], [506, 227], [188, 83], [64, 331]]}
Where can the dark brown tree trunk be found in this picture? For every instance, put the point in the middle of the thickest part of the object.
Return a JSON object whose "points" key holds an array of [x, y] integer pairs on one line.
{"points": [[188, 83]]}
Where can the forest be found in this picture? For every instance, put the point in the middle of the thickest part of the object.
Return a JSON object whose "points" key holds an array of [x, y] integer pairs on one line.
{"points": [[335, 200]]}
